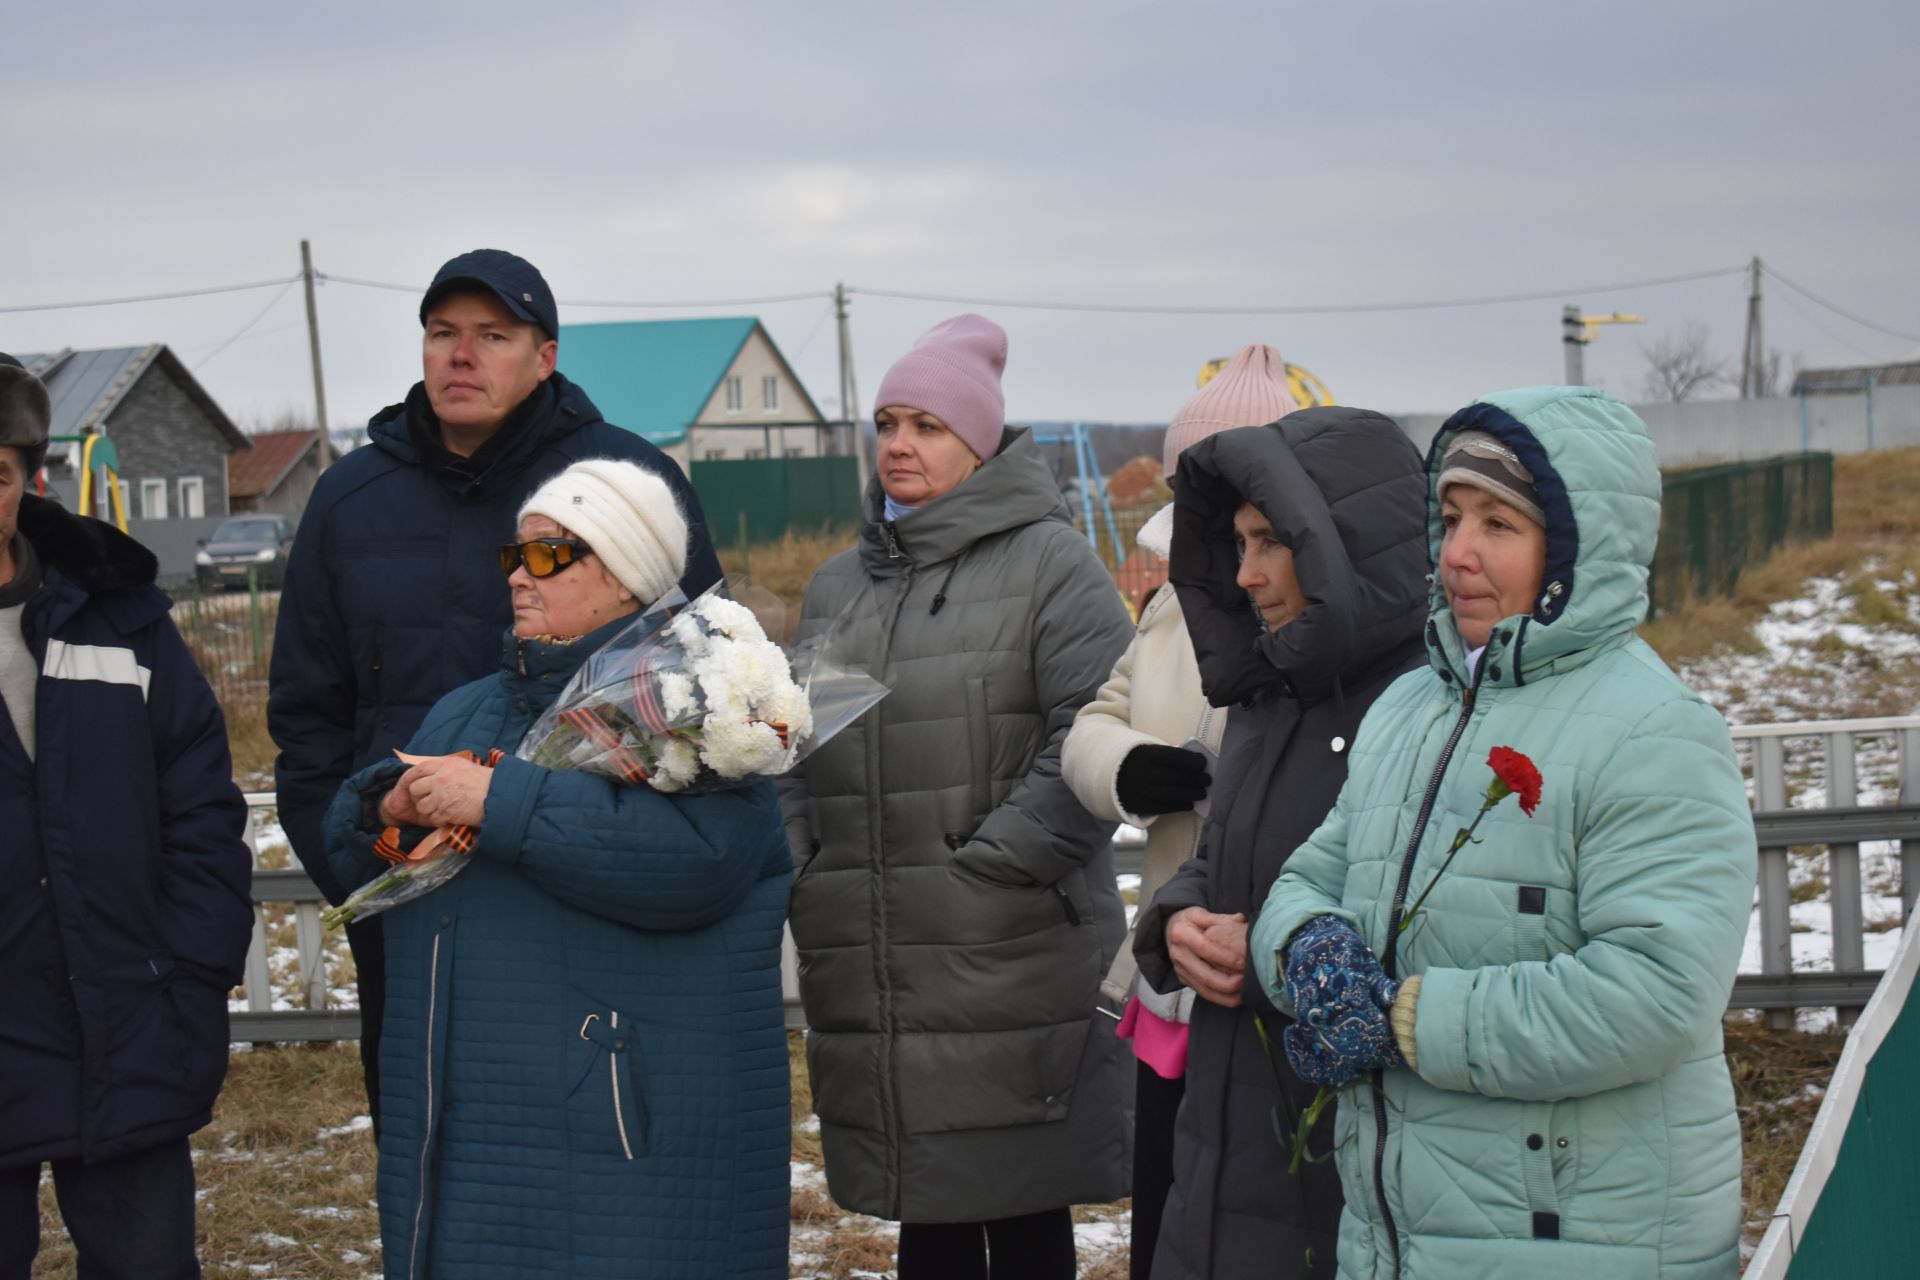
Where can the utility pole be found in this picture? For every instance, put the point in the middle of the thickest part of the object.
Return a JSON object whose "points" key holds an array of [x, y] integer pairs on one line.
{"points": [[849, 394], [1753, 356], [313, 346], [1577, 330], [1573, 334]]}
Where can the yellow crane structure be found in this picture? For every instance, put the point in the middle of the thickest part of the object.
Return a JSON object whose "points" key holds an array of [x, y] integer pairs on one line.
{"points": [[1577, 331], [1306, 389]]}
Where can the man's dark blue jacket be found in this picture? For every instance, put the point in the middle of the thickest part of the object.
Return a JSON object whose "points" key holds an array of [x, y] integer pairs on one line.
{"points": [[124, 909], [394, 595]]}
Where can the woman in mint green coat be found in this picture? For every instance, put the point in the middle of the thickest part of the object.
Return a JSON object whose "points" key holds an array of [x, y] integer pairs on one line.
{"points": [[1537, 1081]]}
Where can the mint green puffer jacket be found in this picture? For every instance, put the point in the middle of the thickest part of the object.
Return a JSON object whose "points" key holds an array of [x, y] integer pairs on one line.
{"points": [[1572, 1113]]}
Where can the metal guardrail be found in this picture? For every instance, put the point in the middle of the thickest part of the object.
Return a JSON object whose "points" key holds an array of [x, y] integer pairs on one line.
{"points": [[1778, 988]]}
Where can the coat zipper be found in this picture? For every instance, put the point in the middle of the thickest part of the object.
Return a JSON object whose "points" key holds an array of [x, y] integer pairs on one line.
{"points": [[875, 853], [426, 1138], [613, 1077], [1393, 946], [893, 542]]}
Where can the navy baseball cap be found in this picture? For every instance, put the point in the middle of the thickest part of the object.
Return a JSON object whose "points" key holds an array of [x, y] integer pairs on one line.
{"points": [[515, 281]]}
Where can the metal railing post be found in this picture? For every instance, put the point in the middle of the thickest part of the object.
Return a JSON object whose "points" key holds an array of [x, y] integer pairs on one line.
{"points": [[1776, 890], [1843, 862]]}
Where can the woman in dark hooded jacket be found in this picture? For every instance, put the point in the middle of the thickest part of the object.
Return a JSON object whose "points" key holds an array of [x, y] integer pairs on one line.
{"points": [[1299, 557]]}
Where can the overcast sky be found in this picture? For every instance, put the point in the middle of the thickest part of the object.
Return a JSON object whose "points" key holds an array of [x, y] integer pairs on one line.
{"points": [[1187, 154]]}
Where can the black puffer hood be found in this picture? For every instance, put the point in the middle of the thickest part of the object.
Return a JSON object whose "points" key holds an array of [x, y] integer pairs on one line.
{"points": [[1344, 490], [91, 553]]}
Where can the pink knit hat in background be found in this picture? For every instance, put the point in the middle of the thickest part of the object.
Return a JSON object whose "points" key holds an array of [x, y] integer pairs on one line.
{"points": [[953, 372], [1250, 392]]}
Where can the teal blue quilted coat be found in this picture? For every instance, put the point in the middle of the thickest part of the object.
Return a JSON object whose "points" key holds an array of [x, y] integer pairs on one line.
{"points": [[1572, 1113], [584, 1066]]}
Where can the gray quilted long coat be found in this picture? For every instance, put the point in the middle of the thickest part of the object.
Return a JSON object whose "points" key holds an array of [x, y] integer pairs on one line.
{"points": [[953, 904]]}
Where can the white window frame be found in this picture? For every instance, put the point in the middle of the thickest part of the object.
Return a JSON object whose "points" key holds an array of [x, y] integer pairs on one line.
{"points": [[755, 455], [126, 496], [736, 393], [153, 499], [714, 455], [770, 393], [193, 497]]}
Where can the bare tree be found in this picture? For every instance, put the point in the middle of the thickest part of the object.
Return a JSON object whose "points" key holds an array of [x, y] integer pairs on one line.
{"points": [[1679, 365]]}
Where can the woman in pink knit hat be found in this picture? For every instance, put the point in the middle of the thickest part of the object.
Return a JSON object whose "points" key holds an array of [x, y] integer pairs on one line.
{"points": [[1128, 759], [954, 905]]}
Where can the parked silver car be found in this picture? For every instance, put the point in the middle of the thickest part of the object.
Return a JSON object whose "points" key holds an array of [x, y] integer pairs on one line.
{"points": [[241, 543]]}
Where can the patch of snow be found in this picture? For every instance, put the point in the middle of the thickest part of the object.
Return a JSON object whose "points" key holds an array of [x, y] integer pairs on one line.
{"points": [[359, 1124]]}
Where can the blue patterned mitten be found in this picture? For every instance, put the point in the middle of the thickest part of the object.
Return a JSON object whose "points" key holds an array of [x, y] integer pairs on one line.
{"points": [[1337, 1049], [1331, 970]]}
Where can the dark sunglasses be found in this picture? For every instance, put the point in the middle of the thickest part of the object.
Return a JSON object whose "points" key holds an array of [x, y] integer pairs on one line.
{"points": [[543, 557]]}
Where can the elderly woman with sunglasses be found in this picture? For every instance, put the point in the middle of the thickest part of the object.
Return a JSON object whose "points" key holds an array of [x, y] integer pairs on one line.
{"points": [[584, 1069]]}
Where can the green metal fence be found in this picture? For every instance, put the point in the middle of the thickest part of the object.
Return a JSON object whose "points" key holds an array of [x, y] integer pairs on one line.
{"points": [[761, 499], [1715, 521]]}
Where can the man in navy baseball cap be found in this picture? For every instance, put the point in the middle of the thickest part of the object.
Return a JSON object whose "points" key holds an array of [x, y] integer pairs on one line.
{"points": [[394, 595], [512, 279]]}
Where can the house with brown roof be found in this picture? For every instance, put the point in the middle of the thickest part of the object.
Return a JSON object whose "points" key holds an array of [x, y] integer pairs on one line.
{"points": [[276, 475]]}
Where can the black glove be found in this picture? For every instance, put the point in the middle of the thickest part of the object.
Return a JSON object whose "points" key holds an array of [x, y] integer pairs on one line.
{"points": [[1161, 780]]}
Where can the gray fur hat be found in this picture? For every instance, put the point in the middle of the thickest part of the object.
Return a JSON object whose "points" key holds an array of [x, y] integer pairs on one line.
{"points": [[24, 412]]}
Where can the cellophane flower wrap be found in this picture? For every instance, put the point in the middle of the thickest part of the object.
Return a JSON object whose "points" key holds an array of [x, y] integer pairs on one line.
{"points": [[696, 699], [686, 698]]}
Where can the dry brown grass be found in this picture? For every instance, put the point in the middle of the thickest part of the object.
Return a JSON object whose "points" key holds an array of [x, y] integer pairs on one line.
{"points": [[1779, 1079], [785, 567], [1874, 518], [276, 1197], [279, 1199]]}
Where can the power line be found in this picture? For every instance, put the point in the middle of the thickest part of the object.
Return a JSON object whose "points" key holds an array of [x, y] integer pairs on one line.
{"points": [[582, 302], [148, 297], [241, 332], [1335, 309], [1813, 320], [1839, 311]]}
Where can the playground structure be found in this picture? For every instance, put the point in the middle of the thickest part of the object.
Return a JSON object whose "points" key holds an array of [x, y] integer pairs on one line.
{"points": [[93, 452]]}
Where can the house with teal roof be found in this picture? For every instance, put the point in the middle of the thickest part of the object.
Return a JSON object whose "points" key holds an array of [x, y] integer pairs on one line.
{"points": [[702, 390]]}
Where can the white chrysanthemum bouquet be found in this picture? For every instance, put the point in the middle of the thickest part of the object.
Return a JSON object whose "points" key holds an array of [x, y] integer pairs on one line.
{"points": [[696, 699], [685, 698]]}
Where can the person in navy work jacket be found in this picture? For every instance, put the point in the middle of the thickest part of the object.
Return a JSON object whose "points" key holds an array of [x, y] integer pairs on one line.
{"points": [[391, 599], [124, 915]]}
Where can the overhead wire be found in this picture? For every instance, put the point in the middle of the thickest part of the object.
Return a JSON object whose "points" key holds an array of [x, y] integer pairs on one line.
{"points": [[1435, 304], [1839, 311], [242, 331], [766, 300], [149, 297]]}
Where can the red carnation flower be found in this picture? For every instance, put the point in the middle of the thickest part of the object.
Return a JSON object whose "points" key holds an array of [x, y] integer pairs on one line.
{"points": [[1518, 775]]}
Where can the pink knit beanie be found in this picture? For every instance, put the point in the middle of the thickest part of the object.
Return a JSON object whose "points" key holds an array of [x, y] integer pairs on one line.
{"points": [[953, 372], [1250, 392]]}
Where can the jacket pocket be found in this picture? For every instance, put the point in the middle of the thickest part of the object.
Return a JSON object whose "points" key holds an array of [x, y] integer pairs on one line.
{"points": [[951, 1081], [1530, 940], [980, 744], [607, 1112]]}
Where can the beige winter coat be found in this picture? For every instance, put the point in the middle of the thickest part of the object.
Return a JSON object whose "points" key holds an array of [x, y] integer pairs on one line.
{"points": [[1166, 708]]}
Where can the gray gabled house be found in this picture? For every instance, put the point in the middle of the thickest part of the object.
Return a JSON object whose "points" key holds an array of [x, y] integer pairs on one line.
{"points": [[172, 437]]}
